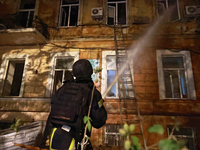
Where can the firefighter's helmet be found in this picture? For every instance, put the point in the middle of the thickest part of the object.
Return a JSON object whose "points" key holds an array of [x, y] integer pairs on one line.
{"points": [[82, 68]]}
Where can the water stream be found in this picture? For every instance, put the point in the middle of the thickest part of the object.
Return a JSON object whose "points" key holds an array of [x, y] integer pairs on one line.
{"points": [[134, 49]]}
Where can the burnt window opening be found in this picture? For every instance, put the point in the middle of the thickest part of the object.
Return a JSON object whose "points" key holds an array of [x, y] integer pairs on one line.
{"points": [[13, 80], [26, 13], [116, 12], [175, 77], [63, 72], [187, 134], [112, 136], [163, 5], [69, 13]]}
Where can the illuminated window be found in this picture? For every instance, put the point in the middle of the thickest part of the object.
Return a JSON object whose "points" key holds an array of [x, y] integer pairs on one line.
{"points": [[108, 73], [69, 13], [175, 75], [26, 12], [163, 5], [116, 12]]}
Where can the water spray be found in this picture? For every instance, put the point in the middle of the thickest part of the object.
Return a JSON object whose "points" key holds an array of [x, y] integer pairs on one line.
{"points": [[133, 50]]}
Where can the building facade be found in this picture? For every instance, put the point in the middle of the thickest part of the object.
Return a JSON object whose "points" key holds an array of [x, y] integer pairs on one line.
{"points": [[41, 39]]}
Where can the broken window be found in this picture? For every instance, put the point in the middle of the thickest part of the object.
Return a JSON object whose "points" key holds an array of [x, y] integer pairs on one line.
{"points": [[13, 80], [187, 134], [116, 12], [26, 12], [175, 75], [63, 71], [69, 13], [112, 136], [163, 5], [111, 73]]}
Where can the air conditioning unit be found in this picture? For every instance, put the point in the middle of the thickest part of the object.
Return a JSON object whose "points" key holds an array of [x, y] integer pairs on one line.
{"points": [[97, 12], [192, 10]]}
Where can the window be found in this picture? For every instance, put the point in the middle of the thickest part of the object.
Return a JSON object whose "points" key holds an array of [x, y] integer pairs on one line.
{"points": [[112, 136], [12, 77], [69, 13], [108, 73], [60, 70], [163, 5], [116, 12], [175, 75], [187, 134], [26, 12]]}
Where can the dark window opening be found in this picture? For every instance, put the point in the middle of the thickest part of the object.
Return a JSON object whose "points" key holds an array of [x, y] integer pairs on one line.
{"points": [[27, 4], [116, 12], [12, 84], [187, 134], [26, 13], [63, 72], [69, 13]]}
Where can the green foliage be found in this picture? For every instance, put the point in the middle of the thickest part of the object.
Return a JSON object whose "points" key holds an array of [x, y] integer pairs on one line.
{"points": [[98, 69], [157, 128], [87, 120], [171, 144], [16, 125], [131, 142]]}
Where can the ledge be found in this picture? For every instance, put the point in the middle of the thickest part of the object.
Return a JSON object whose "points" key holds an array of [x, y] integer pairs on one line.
{"points": [[25, 36]]}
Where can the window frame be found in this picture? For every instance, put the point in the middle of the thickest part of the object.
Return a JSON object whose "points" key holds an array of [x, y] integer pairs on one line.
{"points": [[188, 73], [116, 134], [116, 10], [29, 12], [104, 74], [4, 68], [182, 135], [60, 14], [54, 56], [178, 10]]}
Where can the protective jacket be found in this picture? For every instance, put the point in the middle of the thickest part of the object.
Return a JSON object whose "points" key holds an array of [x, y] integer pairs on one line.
{"points": [[61, 139]]}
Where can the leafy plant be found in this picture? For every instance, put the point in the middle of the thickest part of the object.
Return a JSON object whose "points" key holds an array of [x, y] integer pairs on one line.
{"points": [[87, 120], [16, 125], [170, 143], [131, 142]]}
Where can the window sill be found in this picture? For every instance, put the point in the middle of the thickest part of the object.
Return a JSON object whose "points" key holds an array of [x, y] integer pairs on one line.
{"points": [[25, 99]]}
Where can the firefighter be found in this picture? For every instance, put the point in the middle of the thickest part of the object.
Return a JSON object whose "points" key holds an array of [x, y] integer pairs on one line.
{"points": [[64, 138]]}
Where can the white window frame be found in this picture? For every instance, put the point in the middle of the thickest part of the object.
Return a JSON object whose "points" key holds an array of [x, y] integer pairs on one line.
{"points": [[104, 73], [27, 10], [188, 72], [60, 16], [116, 10], [4, 67], [167, 8], [53, 58]]}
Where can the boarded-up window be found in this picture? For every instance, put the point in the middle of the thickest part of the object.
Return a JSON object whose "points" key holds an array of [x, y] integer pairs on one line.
{"points": [[63, 71], [13, 80], [112, 136]]}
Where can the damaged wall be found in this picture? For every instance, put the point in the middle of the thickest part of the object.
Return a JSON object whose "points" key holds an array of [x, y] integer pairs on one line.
{"points": [[90, 38]]}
